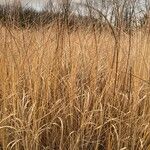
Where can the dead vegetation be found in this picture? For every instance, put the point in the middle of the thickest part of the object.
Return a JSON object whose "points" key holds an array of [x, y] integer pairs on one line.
{"points": [[88, 89]]}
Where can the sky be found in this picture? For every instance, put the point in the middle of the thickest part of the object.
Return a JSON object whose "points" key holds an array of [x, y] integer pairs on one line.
{"points": [[39, 4], [36, 4]]}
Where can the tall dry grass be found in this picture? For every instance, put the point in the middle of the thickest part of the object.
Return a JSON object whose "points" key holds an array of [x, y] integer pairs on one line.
{"points": [[69, 91]]}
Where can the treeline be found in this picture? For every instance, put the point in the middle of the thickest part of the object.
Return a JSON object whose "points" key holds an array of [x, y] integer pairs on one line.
{"points": [[27, 17], [20, 17], [24, 17]]}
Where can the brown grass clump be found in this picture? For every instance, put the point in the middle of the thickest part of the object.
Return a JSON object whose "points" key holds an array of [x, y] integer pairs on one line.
{"points": [[70, 91]]}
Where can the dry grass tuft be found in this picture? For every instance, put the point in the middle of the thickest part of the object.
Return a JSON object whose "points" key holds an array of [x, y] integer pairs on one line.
{"points": [[61, 90]]}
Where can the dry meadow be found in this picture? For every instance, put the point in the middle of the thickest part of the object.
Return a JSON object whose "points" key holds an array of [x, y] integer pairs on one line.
{"points": [[78, 90]]}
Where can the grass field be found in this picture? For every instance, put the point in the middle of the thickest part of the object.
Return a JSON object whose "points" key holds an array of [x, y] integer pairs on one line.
{"points": [[79, 90]]}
